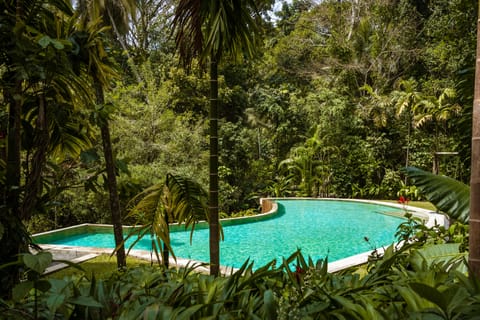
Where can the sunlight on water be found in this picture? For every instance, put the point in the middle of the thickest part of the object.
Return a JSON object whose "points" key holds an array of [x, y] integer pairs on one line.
{"points": [[319, 228]]}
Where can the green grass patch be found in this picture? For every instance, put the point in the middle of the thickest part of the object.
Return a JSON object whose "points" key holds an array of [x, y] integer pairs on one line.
{"points": [[418, 204], [102, 266]]}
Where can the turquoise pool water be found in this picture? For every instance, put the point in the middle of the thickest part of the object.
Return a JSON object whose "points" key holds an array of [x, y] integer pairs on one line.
{"points": [[318, 227]]}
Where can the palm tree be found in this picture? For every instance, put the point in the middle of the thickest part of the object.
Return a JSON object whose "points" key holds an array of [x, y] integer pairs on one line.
{"points": [[436, 110], [92, 47], [208, 30], [38, 81], [378, 109], [91, 18], [14, 238], [116, 14], [474, 237], [309, 164], [179, 199], [256, 121], [405, 100]]}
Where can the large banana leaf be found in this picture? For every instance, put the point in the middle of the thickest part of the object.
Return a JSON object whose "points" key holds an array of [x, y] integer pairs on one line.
{"points": [[449, 195], [445, 253]]}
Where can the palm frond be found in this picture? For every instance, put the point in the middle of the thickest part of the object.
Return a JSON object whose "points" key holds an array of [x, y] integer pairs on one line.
{"points": [[178, 198], [149, 211], [187, 200], [146, 204], [187, 24], [439, 253], [203, 28], [449, 195]]}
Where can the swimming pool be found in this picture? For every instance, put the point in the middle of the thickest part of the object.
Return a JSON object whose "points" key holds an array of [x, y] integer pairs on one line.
{"points": [[320, 228]]}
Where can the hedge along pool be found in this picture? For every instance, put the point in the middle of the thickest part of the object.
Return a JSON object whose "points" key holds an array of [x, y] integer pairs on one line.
{"points": [[320, 228]]}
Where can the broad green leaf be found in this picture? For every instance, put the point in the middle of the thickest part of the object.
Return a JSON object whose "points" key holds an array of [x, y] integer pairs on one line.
{"points": [[57, 44], [42, 285], [85, 301], [351, 307], [54, 301], [89, 156], [157, 311], [189, 312], [179, 198], [44, 41], [414, 302], [439, 253], [269, 305], [315, 307], [448, 195], [38, 262], [21, 290], [122, 166], [430, 293]]}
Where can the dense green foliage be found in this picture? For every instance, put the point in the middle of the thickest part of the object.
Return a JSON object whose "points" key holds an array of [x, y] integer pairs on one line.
{"points": [[341, 96], [423, 279], [177, 199], [448, 195]]}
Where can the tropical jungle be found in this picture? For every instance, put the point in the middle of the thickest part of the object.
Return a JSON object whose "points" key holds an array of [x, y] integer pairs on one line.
{"points": [[151, 112]]}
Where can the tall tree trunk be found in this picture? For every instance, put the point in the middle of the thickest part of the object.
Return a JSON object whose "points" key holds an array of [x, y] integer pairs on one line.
{"points": [[12, 174], [166, 253], [213, 186], [355, 11], [33, 181], [14, 239], [14, 130], [474, 238], [111, 180]]}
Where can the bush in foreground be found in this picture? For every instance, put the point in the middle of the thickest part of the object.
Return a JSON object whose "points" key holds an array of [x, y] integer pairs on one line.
{"points": [[427, 277]]}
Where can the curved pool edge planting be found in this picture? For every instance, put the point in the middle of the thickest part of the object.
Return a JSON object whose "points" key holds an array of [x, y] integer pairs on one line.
{"points": [[269, 211], [429, 218], [75, 253]]}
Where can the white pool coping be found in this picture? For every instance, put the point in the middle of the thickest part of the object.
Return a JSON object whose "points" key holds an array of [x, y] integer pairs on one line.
{"points": [[429, 217]]}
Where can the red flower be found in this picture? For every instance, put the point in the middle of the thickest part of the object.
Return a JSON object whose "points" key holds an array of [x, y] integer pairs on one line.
{"points": [[299, 269], [298, 273], [403, 200]]}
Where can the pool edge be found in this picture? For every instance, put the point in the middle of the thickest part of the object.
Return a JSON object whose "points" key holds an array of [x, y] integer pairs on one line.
{"points": [[269, 210]]}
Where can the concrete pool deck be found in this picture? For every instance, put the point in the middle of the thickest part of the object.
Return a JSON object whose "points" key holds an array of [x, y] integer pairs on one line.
{"points": [[82, 254], [269, 209]]}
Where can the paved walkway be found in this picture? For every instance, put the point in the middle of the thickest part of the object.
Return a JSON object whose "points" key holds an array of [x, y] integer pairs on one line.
{"points": [[81, 254]]}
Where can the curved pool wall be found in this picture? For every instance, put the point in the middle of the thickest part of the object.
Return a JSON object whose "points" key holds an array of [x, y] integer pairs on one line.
{"points": [[429, 218], [66, 252], [269, 211]]}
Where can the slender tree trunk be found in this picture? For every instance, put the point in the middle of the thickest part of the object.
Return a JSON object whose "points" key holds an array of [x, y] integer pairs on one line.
{"points": [[474, 238], [353, 17], [3, 157], [13, 151], [33, 181], [166, 253], [213, 186], [259, 142], [14, 131], [111, 181], [13, 239]]}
